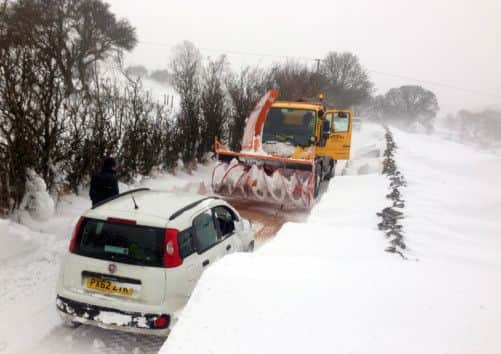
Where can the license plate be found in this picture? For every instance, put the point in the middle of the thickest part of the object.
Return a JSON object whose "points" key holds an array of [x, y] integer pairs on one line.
{"points": [[110, 287]]}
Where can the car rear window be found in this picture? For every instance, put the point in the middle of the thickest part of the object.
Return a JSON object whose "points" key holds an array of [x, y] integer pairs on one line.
{"points": [[133, 244]]}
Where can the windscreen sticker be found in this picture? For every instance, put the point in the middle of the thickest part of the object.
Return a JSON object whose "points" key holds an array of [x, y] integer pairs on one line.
{"points": [[115, 249]]}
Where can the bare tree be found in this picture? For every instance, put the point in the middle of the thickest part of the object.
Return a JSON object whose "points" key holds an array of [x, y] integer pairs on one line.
{"points": [[409, 104], [161, 76], [186, 66], [215, 110], [296, 81], [244, 89], [480, 128], [136, 71], [48, 48], [76, 33], [347, 82]]}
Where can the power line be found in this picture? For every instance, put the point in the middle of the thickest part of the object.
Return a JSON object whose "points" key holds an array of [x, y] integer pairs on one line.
{"points": [[317, 60], [436, 83], [229, 51]]}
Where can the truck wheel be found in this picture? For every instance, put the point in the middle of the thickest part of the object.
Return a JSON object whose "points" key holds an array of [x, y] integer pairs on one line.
{"points": [[318, 179], [332, 167]]}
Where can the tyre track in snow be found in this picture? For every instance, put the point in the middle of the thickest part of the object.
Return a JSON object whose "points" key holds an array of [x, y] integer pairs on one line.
{"points": [[89, 339], [267, 220]]}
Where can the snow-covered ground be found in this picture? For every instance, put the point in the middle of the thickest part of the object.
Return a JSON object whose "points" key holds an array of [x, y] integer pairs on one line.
{"points": [[327, 286], [30, 257]]}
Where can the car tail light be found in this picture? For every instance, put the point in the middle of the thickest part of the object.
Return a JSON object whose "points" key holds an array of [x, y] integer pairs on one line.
{"points": [[74, 237], [161, 322], [171, 257]]}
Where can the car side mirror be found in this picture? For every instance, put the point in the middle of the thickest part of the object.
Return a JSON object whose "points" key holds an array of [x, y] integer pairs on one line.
{"points": [[243, 226], [246, 224]]}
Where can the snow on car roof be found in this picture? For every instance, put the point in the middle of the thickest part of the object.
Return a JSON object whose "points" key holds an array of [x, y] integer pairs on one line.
{"points": [[155, 207]]}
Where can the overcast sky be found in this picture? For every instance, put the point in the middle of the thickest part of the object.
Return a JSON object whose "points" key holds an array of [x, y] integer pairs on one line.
{"points": [[440, 42]]}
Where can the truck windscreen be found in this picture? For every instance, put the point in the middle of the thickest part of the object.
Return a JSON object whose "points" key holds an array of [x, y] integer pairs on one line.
{"points": [[295, 126]]}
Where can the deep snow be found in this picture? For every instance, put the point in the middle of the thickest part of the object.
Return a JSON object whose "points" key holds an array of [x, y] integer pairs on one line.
{"points": [[30, 256], [321, 286], [327, 286]]}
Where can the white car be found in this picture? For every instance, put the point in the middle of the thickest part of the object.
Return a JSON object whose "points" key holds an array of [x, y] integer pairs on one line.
{"points": [[134, 259]]}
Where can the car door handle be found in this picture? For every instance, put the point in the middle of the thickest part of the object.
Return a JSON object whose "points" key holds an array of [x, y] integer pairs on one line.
{"points": [[228, 247], [206, 263]]}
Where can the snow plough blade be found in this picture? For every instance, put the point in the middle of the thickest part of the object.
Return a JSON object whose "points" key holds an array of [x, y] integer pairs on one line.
{"points": [[275, 181], [252, 174]]}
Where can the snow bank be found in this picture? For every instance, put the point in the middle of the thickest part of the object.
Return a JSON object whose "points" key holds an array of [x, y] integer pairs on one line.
{"points": [[454, 199], [327, 286], [30, 258], [36, 203]]}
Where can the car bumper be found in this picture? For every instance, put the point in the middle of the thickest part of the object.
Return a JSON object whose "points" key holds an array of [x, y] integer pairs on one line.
{"points": [[109, 318]]}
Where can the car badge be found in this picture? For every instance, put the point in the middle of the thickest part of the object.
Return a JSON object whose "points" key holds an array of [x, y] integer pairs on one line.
{"points": [[112, 268]]}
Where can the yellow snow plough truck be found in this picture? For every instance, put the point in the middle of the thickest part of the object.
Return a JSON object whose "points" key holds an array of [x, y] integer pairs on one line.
{"points": [[288, 148]]}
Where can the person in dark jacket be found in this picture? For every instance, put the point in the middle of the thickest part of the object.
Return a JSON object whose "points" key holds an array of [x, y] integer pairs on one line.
{"points": [[104, 184]]}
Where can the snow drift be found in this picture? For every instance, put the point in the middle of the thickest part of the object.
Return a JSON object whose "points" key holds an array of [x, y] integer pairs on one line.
{"points": [[327, 286]]}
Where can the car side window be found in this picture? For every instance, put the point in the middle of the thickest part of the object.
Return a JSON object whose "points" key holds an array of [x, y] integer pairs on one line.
{"points": [[185, 241], [225, 221], [206, 234]]}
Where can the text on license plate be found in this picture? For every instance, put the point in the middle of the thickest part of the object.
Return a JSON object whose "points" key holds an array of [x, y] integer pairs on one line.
{"points": [[108, 286]]}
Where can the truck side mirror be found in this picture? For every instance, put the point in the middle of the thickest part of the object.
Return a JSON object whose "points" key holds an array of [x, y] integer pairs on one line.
{"points": [[326, 129]]}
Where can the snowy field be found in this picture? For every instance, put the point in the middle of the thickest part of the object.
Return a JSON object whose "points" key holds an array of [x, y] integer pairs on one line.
{"points": [[323, 286], [327, 286]]}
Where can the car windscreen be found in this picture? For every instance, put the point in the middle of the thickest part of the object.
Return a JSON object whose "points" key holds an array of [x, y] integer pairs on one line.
{"points": [[133, 244], [295, 126]]}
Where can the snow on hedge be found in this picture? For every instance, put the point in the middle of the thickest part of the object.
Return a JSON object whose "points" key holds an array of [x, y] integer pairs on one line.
{"points": [[36, 203]]}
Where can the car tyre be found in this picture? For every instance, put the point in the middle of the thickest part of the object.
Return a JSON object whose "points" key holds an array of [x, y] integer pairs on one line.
{"points": [[71, 324]]}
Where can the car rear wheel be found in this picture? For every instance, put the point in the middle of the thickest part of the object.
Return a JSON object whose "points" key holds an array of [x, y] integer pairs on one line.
{"points": [[71, 324]]}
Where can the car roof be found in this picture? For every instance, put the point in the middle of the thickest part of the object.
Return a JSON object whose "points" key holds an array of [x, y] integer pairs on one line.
{"points": [[155, 207]]}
